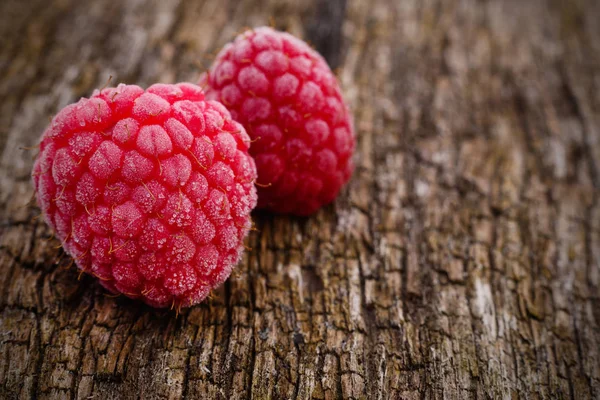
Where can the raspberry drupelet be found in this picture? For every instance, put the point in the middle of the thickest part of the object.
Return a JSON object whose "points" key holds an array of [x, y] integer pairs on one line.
{"points": [[149, 191], [285, 95]]}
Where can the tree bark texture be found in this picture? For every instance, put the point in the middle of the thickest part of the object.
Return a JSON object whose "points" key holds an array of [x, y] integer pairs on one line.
{"points": [[462, 260]]}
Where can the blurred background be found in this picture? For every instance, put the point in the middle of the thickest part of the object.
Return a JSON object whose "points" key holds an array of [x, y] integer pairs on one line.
{"points": [[461, 261]]}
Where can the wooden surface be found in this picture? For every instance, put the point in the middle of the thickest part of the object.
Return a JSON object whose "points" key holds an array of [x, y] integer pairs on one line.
{"points": [[462, 261]]}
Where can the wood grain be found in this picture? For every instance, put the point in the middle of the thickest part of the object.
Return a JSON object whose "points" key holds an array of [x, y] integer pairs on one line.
{"points": [[462, 261]]}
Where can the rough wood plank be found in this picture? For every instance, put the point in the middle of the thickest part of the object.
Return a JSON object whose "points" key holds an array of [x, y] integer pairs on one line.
{"points": [[463, 260]]}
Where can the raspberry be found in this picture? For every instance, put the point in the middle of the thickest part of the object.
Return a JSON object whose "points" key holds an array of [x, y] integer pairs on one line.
{"points": [[287, 98], [149, 191]]}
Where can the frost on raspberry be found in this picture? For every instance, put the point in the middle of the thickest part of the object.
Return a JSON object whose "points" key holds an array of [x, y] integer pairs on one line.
{"points": [[149, 191], [285, 95]]}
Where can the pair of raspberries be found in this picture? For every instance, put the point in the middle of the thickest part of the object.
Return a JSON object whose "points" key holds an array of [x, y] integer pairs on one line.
{"points": [[151, 191]]}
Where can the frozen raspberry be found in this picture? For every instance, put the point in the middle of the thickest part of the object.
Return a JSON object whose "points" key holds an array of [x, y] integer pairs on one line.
{"points": [[149, 191], [287, 98]]}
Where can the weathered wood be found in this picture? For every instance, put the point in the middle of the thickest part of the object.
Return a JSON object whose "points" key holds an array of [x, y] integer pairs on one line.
{"points": [[462, 261]]}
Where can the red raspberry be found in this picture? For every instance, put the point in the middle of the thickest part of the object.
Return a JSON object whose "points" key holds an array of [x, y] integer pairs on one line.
{"points": [[149, 191], [285, 95]]}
